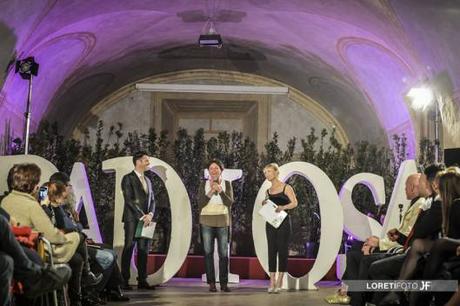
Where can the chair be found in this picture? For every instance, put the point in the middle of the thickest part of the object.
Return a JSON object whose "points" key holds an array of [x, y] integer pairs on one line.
{"points": [[47, 250], [44, 249]]}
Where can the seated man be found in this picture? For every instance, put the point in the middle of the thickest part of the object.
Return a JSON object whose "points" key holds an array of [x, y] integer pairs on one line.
{"points": [[374, 248], [36, 279], [426, 229]]}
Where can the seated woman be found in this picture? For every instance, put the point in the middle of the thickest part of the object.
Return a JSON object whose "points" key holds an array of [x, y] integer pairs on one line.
{"points": [[56, 194], [21, 203], [102, 258], [53, 196], [446, 247]]}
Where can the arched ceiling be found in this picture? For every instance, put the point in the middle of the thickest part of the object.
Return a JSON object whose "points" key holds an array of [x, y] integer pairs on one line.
{"points": [[355, 57]]}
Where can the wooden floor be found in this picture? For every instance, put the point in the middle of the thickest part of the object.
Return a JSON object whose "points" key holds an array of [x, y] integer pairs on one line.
{"points": [[192, 292]]}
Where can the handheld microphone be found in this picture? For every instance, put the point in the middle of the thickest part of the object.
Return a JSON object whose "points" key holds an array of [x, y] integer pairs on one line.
{"points": [[216, 180], [400, 212]]}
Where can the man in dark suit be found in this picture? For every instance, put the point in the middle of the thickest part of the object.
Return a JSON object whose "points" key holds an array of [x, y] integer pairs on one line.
{"points": [[427, 227], [139, 206]]}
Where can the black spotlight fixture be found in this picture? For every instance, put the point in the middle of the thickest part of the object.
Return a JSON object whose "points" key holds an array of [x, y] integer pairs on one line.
{"points": [[27, 67]]}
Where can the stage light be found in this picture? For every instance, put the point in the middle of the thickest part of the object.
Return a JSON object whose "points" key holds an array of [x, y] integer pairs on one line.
{"points": [[421, 97], [27, 67]]}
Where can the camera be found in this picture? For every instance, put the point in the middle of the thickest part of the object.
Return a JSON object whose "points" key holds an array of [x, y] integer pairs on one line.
{"points": [[42, 193]]}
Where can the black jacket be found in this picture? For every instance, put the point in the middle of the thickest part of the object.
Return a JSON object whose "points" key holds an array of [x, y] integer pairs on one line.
{"points": [[137, 201], [454, 220], [427, 226]]}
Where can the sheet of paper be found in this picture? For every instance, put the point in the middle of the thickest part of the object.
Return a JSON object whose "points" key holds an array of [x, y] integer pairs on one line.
{"points": [[268, 212], [147, 231]]}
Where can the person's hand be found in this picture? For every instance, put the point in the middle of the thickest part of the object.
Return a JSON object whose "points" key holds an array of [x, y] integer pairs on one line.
{"points": [[13, 221], [373, 241], [366, 249], [393, 234], [264, 202], [217, 188], [147, 219], [458, 251], [279, 209]]}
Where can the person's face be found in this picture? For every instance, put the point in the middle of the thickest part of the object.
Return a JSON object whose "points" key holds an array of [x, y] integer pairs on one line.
{"points": [[68, 188], [143, 163], [372, 241], [214, 171], [412, 190], [424, 186], [435, 185], [61, 200], [270, 174]]}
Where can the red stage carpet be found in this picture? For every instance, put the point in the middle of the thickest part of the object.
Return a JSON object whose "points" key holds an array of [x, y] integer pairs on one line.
{"points": [[245, 267]]}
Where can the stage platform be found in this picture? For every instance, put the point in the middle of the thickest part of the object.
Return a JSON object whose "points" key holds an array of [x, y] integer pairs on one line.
{"points": [[245, 267], [193, 292]]}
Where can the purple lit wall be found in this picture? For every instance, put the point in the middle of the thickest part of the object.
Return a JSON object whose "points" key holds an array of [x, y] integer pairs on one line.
{"points": [[355, 58]]}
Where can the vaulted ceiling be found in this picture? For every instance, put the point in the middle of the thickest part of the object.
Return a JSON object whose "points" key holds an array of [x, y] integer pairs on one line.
{"points": [[357, 58]]}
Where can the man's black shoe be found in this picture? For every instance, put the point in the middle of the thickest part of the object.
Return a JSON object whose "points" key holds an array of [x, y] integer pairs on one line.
{"points": [[212, 287], [145, 285], [91, 279], [116, 295], [224, 288]]}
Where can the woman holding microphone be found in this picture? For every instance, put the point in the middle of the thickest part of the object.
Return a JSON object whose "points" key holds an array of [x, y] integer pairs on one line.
{"points": [[215, 198]]}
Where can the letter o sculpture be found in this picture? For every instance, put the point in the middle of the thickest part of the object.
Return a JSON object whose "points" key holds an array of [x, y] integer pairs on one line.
{"points": [[331, 224]]}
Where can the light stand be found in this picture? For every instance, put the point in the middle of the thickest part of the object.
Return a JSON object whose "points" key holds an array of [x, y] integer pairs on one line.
{"points": [[437, 142], [26, 69]]}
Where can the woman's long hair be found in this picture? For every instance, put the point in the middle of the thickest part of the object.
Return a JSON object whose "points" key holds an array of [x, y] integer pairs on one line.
{"points": [[449, 190], [56, 190]]}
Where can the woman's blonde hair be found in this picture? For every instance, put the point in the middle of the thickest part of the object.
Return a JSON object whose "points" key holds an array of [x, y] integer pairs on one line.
{"points": [[273, 166]]}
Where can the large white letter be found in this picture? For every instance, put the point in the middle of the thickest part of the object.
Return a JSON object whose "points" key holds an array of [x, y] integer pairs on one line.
{"points": [[331, 224], [181, 214], [356, 223], [82, 191]]}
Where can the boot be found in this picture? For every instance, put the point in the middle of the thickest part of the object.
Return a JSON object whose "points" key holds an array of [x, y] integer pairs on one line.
{"points": [[224, 288], [212, 287], [116, 295]]}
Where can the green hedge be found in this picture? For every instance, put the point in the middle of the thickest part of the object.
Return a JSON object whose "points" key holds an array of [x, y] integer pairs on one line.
{"points": [[188, 155]]}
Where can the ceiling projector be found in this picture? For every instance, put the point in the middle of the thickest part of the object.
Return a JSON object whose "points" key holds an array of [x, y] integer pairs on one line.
{"points": [[210, 40]]}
